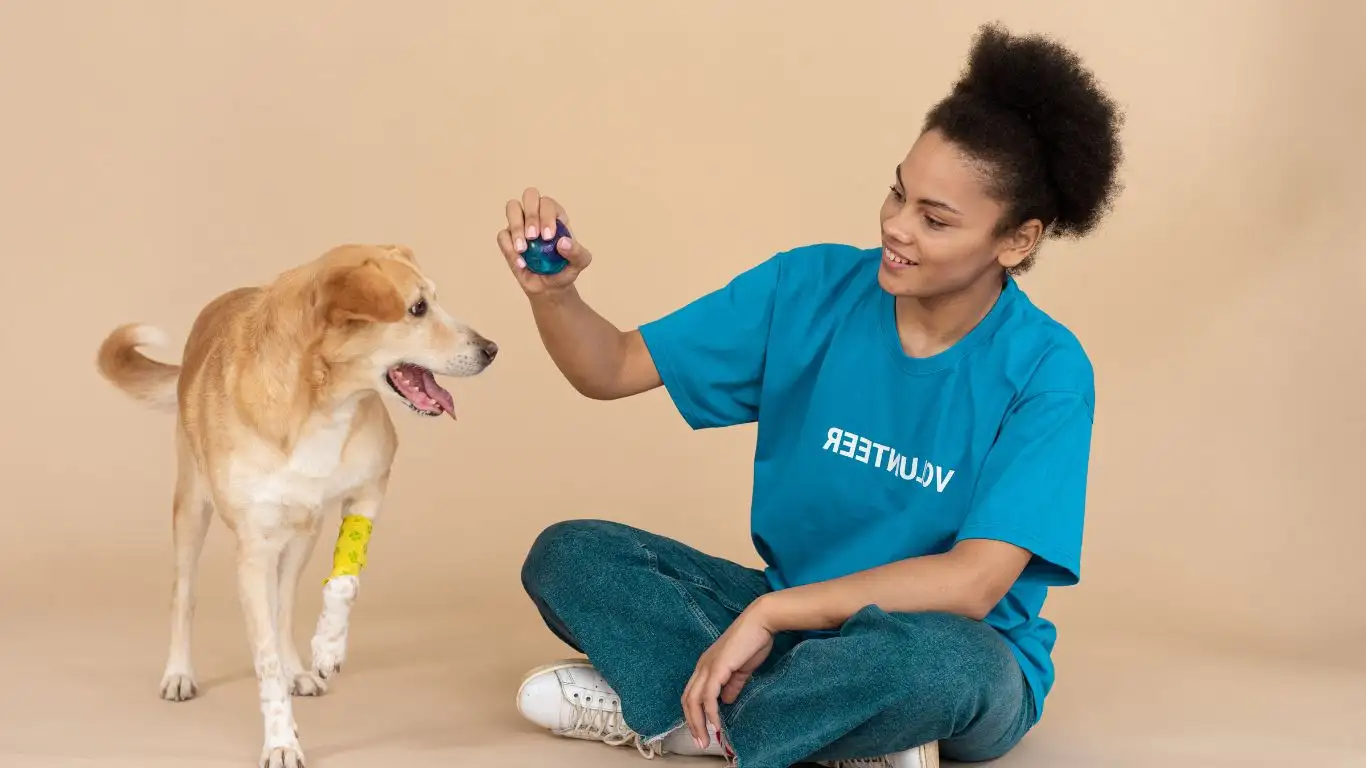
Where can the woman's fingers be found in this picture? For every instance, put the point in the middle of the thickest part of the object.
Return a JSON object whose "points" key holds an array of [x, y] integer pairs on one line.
{"points": [[693, 712], [549, 212], [531, 212], [701, 705], [516, 226], [710, 694], [511, 252], [578, 256]]}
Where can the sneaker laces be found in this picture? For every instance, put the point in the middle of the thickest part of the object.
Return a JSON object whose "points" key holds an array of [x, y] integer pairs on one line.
{"points": [[607, 726]]}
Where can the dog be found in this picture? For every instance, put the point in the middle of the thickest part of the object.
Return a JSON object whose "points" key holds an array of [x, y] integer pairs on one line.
{"points": [[281, 422]]}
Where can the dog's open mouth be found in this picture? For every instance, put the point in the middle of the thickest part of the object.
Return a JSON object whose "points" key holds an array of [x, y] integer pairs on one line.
{"points": [[419, 390]]}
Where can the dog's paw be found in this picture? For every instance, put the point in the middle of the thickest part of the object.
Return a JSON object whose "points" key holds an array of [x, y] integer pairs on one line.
{"points": [[283, 757], [329, 653], [307, 684], [178, 686], [328, 659]]}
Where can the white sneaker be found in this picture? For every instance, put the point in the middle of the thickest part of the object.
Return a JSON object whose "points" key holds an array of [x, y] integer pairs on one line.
{"points": [[569, 698], [923, 756]]}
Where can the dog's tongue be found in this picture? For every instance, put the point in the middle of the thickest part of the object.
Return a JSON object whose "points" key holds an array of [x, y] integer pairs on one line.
{"points": [[437, 393]]}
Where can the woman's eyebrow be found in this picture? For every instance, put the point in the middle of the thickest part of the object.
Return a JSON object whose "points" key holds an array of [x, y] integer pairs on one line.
{"points": [[940, 204]]}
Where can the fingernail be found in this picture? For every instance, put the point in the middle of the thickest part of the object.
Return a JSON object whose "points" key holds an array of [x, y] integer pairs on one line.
{"points": [[548, 233], [566, 244], [520, 245], [700, 743], [521, 263], [530, 232]]}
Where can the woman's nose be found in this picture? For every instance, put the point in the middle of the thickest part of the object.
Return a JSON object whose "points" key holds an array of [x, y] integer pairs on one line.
{"points": [[898, 230]]}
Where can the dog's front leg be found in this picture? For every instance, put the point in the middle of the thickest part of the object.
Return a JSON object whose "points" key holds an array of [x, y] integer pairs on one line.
{"points": [[341, 588], [258, 580], [292, 561]]}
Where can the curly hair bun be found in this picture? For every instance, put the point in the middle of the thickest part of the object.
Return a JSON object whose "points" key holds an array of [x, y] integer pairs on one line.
{"points": [[1030, 108]]}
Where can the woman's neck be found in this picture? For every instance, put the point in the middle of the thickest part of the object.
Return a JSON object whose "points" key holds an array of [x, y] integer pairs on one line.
{"points": [[928, 326]]}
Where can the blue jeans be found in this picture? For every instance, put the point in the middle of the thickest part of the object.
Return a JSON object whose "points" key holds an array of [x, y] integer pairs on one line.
{"points": [[643, 608]]}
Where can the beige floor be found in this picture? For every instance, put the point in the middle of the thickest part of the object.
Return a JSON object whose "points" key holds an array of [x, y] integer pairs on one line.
{"points": [[80, 689]]}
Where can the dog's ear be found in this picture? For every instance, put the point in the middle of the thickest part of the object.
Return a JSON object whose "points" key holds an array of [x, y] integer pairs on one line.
{"points": [[401, 251], [362, 293]]}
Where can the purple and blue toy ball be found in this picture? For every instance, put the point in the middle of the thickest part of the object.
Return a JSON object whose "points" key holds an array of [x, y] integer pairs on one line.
{"points": [[541, 256]]}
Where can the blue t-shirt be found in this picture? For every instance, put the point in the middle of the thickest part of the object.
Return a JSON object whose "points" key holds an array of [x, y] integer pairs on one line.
{"points": [[866, 455]]}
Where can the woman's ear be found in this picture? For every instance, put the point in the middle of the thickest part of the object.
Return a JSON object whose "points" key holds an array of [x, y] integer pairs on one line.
{"points": [[1019, 243], [361, 293]]}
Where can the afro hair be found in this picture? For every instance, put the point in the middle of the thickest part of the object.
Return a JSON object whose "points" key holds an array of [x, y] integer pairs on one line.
{"points": [[1029, 110]]}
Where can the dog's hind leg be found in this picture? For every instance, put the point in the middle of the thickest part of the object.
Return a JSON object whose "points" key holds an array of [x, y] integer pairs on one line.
{"points": [[191, 512], [348, 559]]}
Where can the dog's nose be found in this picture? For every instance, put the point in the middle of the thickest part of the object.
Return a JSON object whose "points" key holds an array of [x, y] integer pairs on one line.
{"points": [[490, 351]]}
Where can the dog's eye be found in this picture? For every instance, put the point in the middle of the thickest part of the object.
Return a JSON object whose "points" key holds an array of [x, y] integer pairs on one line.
{"points": [[419, 309]]}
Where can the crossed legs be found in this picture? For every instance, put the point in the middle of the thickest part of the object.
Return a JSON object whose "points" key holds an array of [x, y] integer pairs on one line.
{"points": [[643, 608]]}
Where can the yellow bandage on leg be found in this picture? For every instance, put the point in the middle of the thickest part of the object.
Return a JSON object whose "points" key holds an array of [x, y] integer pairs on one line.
{"points": [[353, 541]]}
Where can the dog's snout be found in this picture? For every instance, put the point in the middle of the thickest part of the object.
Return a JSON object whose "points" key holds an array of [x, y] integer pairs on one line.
{"points": [[489, 350]]}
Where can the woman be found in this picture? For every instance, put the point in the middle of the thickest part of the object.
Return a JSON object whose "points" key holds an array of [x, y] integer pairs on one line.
{"points": [[920, 474]]}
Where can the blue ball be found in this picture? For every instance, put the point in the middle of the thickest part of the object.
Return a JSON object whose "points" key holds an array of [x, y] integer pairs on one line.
{"points": [[541, 256]]}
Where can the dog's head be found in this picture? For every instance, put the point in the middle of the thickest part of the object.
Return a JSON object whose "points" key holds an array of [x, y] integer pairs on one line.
{"points": [[384, 328]]}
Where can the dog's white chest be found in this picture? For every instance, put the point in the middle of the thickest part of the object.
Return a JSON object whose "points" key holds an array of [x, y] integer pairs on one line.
{"points": [[317, 471], [318, 454]]}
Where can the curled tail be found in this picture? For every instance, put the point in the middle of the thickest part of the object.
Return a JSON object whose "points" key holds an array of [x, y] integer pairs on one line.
{"points": [[140, 377]]}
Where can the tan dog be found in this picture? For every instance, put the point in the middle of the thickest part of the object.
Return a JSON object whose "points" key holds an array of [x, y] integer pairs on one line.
{"points": [[281, 421]]}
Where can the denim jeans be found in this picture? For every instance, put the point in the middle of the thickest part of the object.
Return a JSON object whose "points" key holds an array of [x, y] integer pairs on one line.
{"points": [[643, 608]]}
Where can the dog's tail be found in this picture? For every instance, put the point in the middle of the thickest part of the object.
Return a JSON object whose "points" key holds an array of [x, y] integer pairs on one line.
{"points": [[140, 377]]}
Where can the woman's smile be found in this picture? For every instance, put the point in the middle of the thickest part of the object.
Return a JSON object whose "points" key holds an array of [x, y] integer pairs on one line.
{"points": [[894, 259]]}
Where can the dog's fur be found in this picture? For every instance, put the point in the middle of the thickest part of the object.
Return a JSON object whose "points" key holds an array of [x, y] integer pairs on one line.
{"points": [[280, 426]]}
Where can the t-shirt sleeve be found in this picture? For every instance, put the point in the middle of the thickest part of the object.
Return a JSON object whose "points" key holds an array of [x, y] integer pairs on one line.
{"points": [[710, 353], [1032, 489]]}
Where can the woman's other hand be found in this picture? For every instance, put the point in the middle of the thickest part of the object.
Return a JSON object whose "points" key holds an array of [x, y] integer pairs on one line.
{"points": [[723, 670]]}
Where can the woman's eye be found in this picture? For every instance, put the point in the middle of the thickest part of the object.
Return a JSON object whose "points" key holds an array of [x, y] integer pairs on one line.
{"points": [[934, 223], [419, 309], [896, 193]]}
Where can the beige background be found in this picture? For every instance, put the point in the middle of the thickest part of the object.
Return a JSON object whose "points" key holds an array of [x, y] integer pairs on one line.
{"points": [[154, 154]]}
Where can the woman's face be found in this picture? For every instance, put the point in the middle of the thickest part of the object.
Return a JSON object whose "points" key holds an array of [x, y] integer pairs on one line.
{"points": [[939, 225]]}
